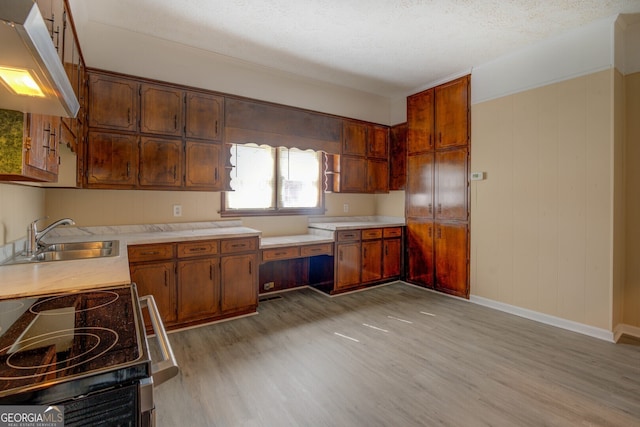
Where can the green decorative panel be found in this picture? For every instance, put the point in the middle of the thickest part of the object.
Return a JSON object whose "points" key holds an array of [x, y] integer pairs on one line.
{"points": [[11, 134]]}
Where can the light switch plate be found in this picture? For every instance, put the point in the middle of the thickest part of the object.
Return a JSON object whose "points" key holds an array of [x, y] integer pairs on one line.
{"points": [[477, 176]]}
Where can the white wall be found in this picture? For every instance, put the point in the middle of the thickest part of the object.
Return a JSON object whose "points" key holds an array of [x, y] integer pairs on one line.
{"points": [[110, 48]]}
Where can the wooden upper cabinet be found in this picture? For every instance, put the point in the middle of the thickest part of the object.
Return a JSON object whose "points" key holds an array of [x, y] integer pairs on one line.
{"points": [[204, 165], [377, 176], [420, 122], [113, 102], [354, 138], [451, 184], [398, 157], [161, 110], [203, 118], [452, 113], [378, 142], [420, 185], [112, 159], [353, 175], [160, 162], [451, 259]]}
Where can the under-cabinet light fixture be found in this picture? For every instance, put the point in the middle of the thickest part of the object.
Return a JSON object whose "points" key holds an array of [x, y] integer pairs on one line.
{"points": [[20, 81]]}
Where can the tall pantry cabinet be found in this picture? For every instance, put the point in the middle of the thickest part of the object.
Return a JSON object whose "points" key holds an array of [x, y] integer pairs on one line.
{"points": [[437, 188]]}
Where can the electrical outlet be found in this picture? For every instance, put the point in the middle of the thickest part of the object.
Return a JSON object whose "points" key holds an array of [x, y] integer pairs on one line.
{"points": [[269, 285], [177, 210], [345, 208]]}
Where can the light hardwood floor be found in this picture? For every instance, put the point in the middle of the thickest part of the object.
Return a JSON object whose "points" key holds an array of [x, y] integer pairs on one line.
{"points": [[399, 356]]}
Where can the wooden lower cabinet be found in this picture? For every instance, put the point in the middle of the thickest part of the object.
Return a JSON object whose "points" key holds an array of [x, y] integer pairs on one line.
{"points": [[367, 256], [240, 277], [347, 267], [438, 256], [391, 258], [199, 289], [157, 279], [371, 260], [195, 282], [420, 262], [451, 259]]}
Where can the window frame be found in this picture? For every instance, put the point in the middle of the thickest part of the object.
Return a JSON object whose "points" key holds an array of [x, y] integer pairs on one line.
{"points": [[279, 211]]}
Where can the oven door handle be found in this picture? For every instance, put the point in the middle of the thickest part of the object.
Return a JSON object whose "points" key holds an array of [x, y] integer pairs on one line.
{"points": [[166, 368]]}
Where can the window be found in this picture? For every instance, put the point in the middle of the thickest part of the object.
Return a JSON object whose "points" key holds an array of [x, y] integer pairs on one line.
{"points": [[270, 181]]}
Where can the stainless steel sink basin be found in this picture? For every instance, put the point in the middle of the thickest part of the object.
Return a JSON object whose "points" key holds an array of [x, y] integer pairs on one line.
{"points": [[70, 251], [76, 246]]}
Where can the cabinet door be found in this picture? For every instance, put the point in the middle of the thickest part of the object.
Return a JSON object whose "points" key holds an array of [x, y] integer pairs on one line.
{"points": [[378, 142], [420, 183], [113, 102], [378, 176], [420, 257], [420, 126], [452, 113], [451, 184], [157, 279], [198, 288], [451, 258], [160, 162], [203, 118], [354, 138], [112, 159], [371, 260], [391, 258], [398, 157], [203, 165], [353, 174], [348, 265], [239, 277], [37, 152], [160, 110], [53, 144]]}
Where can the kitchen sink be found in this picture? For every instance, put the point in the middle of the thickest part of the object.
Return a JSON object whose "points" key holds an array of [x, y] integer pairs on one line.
{"points": [[79, 246], [69, 251]]}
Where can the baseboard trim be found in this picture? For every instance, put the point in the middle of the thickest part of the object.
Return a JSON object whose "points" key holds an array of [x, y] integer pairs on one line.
{"points": [[547, 319], [624, 329]]}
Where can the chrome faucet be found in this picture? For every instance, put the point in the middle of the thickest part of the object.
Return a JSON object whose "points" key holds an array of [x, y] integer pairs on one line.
{"points": [[34, 236]]}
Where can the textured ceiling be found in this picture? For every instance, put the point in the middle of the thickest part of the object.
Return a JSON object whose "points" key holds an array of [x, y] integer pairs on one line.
{"points": [[386, 47]]}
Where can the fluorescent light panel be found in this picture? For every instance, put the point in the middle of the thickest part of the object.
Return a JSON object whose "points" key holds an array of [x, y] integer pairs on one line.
{"points": [[21, 81]]}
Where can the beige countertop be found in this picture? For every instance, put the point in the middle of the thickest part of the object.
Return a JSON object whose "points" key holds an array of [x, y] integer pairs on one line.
{"points": [[352, 223], [65, 276], [295, 240]]}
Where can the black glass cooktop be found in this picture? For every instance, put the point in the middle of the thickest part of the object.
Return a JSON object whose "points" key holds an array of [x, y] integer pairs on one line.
{"points": [[56, 338]]}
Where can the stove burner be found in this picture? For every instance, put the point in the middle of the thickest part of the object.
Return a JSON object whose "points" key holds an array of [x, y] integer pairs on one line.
{"points": [[44, 307], [98, 340], [10, 306]]}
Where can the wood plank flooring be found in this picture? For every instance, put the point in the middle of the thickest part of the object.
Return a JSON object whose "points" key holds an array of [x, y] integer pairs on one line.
{"points": [[399, 356]]}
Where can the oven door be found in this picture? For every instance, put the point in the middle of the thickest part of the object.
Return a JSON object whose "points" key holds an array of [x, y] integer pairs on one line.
{"points": [[162, 369]]}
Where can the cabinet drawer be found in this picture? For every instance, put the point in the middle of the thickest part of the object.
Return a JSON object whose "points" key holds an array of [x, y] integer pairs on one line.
{"points": [[313, 250], [280, 253], [371, 233], [139, 253], [346, 235], [392, 232], [239, 245], [191, 249]]}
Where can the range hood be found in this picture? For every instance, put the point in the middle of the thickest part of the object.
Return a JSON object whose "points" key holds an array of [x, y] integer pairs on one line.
{"points": [[25, 45]]}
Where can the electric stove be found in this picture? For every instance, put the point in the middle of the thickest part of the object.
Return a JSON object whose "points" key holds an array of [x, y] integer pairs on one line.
{"points": [[60, 346]]}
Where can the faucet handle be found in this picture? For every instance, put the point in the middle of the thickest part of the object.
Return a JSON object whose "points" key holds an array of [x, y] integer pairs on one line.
{"points": [[33, 225]]}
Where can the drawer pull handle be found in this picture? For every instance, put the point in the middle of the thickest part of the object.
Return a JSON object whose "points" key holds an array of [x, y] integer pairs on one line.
{"points": [[150, 253], [200, 249], [238, 245], [280, 253]]}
